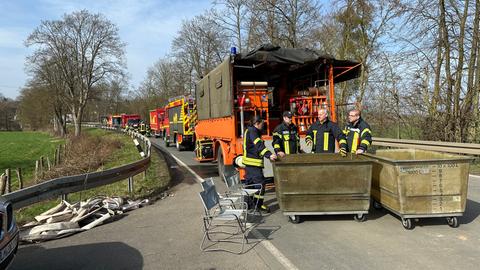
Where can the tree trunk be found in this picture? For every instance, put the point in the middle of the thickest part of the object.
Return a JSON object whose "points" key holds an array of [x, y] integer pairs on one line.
{"points": [[459, 132]]}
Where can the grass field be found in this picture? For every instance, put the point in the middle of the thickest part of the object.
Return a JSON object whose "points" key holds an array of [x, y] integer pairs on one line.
{"points": [[155, 181], [20, 149]]}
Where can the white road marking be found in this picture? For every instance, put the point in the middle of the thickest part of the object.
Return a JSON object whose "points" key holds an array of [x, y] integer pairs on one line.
{"points": [[475, 176], [265, 243]]}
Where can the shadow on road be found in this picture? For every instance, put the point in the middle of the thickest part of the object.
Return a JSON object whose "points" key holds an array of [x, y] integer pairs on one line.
{"points": [[113, 255]]}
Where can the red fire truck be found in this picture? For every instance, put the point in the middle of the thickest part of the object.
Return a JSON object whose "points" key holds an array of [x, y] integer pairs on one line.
{"points": [[158, 122]]}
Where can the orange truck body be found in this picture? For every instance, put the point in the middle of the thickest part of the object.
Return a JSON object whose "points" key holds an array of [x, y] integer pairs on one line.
{"points": [[234, 91]]}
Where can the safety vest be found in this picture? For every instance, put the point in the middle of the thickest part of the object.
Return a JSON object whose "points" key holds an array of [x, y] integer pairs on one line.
{"points": [[286, 139], [254, 149]]}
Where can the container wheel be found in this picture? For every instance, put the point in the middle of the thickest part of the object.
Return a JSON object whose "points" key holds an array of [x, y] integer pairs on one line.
{"points": [[360, 217], [295, 219], [452, 222], [377, 205], [407, 223]]}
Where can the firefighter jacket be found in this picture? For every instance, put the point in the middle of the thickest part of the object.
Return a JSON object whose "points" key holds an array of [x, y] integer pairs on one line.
{"points": [[323, 135], [286, 139], [358, 136], [254, 149]]}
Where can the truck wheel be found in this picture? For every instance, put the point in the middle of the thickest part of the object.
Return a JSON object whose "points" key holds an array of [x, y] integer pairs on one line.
{"points": [[167, 142], [223, 170], [178, 145]]}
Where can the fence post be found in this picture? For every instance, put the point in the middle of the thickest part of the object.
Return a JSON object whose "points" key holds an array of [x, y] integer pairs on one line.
{"points": [[37, 168], [64, 197], [3, 182], [20, 179], [9, 181], [130, 184], [48, 164], [42, 165]]}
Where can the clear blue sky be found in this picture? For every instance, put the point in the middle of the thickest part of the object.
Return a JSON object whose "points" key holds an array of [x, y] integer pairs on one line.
{"points": [[147, 26]]}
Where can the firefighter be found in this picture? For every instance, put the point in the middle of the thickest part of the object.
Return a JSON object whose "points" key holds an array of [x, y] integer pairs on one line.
{"points": [[285, 137], [142, 129], [322, 134], [357, 132], [254, 151], [148, 131]]}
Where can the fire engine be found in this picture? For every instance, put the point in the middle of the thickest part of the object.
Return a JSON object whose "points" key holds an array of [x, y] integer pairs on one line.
{"points": [[158, 122], [181, 114], [266, 82]]}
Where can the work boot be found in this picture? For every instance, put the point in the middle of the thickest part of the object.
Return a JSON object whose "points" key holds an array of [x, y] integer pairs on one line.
{"points": [[265, 208]]}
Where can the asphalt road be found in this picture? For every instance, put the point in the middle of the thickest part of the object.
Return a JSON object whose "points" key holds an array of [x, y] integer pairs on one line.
{"points": [[166, 235]]}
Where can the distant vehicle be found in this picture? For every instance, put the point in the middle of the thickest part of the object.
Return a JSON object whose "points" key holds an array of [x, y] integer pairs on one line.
{"points": [[133, 124], [158, 122], [8, 234], [182, 115]]}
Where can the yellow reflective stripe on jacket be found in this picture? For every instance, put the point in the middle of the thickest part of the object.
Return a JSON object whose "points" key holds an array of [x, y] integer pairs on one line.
{"points": [[252, 161], [245, 143], [345, 131], [257, 140], [325, 141], [257, 196], [276, 134], [365, 131], [342, 141], [314, 138], [276, 146], [354, 142], [263, 152], [367, 143], [287, 147]]}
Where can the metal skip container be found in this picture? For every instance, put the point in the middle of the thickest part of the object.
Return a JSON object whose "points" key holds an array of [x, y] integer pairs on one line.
{"points": [[416, 184], [323, 184]]}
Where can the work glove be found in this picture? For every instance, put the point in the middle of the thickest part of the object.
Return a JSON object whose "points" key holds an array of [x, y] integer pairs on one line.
{"points": [[343, 152]]}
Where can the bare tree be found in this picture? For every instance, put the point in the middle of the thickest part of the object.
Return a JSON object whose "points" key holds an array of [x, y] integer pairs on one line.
{"points": [[200, 44], [85, 48]]}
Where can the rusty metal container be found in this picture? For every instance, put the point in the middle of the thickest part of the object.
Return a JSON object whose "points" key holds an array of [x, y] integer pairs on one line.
{"points": [[323, 184], [416, 184]]}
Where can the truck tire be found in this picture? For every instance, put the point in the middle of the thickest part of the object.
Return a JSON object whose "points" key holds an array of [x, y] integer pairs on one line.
{"points": [[167, 142], [178, 145], [223, 170]]}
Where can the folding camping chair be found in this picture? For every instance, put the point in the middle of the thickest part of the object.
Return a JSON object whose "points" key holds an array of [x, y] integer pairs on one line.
{"points": [[218, 219], [236, 188], [227, 200]]}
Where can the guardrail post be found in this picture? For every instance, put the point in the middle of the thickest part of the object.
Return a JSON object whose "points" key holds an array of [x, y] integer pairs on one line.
{"points": [[64, 197], [3, 183], [130, 184]]}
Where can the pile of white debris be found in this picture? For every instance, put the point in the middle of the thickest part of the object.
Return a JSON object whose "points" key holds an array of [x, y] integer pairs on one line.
{"points": [[66, 219]]}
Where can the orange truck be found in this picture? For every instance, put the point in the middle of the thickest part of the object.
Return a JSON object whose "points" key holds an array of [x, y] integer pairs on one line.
{"points": [[181, 114], [158, 122], [266, 82]]}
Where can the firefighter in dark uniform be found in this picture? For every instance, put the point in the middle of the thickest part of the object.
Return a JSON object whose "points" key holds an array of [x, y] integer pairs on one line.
{"points": [[254, 151], [323, 133], [285, 137], [358, 133]]}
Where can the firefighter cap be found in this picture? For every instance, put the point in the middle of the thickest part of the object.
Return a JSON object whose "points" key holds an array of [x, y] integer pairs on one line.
{"points": [[287, 114]]}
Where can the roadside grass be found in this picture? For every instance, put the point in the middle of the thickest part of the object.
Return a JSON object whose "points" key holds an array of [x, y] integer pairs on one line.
{"points": [[20, 149], [155, 181]]}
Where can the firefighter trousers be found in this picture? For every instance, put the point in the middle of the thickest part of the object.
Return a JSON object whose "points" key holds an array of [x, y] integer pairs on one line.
{"points": [[254, 176]]}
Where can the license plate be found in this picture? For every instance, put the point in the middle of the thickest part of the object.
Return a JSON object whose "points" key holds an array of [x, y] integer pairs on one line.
{"points": [[9, 248]]}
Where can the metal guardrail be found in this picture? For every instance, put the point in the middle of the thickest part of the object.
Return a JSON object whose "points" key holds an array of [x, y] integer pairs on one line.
{"points": [[450, 147], [69, 184]]}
